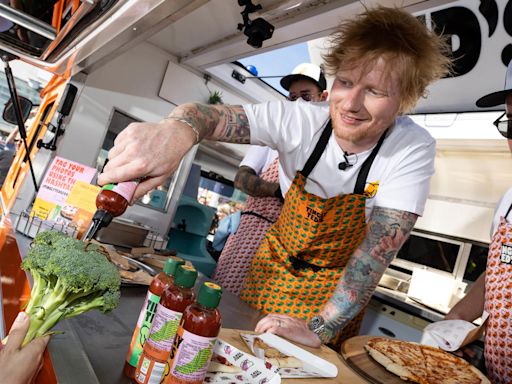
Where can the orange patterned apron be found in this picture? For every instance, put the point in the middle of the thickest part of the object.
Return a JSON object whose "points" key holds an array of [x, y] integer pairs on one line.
{"points": [[304, 254], [498, 304]]}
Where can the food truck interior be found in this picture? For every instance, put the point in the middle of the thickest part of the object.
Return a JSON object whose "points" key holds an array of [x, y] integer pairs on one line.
{"points": [[135, 60]]}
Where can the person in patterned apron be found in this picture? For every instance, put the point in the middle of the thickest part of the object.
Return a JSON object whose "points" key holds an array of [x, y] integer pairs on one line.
{"points": [[355, 172], [258, 176], [492, 291]]}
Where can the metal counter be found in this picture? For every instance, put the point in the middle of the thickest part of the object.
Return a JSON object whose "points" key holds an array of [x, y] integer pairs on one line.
{"points": [[94, 345]]}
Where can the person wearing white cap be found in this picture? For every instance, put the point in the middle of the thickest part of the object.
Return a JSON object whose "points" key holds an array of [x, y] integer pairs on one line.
{"points": [[355, 172], [492, 291], [258, 176]]}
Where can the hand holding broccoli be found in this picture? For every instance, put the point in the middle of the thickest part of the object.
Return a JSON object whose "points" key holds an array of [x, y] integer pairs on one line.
{"points": [[70, 277], [21, 365]]}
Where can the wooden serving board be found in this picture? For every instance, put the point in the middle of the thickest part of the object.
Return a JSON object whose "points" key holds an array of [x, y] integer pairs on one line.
{"points": [[345, 374], [360, 361]]}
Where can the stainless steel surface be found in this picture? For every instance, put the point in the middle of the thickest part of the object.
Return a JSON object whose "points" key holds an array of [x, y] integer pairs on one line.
{"points": [[401, 301], [30, 22], [123, 234], [100, 341]]}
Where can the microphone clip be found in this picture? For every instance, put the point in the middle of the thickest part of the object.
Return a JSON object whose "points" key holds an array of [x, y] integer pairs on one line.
{"points": [[344, 165]]}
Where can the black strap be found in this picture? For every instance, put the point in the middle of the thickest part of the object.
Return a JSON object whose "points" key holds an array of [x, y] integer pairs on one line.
{"points": [[319, 149], [509, 208], [365, 169], [252, 213], [317, 152]]}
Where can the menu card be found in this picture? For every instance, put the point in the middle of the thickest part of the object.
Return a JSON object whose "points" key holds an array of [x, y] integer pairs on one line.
{"points": [[66, 198]]}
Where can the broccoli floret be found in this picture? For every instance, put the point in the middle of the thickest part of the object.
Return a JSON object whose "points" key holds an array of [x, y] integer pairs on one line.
{"points": [[69, 277]]}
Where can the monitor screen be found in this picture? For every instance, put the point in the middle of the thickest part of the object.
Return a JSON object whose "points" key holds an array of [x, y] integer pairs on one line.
{"points": [[430, 251]]}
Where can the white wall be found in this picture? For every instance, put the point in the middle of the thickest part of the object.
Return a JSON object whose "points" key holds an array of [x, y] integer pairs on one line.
{"points": [[132, 83]]}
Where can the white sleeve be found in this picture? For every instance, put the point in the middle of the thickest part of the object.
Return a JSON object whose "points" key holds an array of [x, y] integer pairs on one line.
{"points": [[407, 187], [285, 125], [256, 158]]}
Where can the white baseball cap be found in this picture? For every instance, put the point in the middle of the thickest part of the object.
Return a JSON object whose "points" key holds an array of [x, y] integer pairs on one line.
{"points": [[497, 98], [308, 71]]}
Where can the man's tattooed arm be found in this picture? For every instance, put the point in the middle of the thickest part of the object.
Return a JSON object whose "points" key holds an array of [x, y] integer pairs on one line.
{"points": [[249, 182], [220, 122], [386, 231]]}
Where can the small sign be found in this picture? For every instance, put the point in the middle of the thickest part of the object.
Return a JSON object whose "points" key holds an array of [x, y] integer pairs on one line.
{"points": [[66, 196]]}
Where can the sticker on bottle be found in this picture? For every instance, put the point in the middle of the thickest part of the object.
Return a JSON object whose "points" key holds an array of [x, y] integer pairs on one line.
{"points": [[162, 333], [126, 189], [142, 328], [190, 356]]}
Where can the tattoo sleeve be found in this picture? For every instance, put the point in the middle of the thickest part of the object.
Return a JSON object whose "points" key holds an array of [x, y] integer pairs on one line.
{"points": [[219, 122], [386, 231], [247, 181]]}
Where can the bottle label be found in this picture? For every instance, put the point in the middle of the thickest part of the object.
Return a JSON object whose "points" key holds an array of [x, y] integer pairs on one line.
{"points": [[150, 371], [162, 333], [126, 189], [142, 328], [190, 357]]}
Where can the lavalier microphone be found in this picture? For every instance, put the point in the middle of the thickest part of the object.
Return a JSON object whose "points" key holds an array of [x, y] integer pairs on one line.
{"points": [[344, 165]]}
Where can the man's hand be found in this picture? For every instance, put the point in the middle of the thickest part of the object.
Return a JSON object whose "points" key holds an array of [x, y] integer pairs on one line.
{"points": [[293, 329], [20, 365], [150, 151]]}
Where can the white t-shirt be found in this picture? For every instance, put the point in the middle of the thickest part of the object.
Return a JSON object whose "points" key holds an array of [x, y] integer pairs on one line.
{"points": [[259, 158], [501, 210], [403, 166]]}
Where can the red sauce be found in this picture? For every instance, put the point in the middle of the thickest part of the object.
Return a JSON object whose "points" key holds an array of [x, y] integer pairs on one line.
{"points": [[158, 285], [111, 202], [201, 323]]}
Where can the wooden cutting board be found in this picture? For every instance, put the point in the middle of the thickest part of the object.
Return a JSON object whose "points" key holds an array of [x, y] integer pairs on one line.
{"points": [[360, 361], [345, 374]]}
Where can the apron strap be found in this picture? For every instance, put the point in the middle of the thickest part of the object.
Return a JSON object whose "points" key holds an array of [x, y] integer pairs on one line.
{"points": [[509, 208], [319, 149], [252, 213], [365, 169], [317, 152]]}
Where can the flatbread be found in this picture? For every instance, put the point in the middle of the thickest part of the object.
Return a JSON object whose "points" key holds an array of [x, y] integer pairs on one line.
{"points": [[220, 364], [422, 364], [276, 357]]}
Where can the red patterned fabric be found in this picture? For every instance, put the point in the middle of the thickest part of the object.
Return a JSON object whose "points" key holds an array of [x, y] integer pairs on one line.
{"points": [[241, 247], [498, 304]]}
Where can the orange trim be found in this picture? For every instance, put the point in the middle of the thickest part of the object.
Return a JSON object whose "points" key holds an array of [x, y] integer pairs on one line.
{"points": [[16, 291], [76, 4], [19, 168], [58, 7]]}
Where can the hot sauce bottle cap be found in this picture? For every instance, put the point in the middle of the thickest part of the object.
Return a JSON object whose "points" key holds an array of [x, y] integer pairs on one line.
{"points": [[209, 295], [185, 276], [171, 264]]}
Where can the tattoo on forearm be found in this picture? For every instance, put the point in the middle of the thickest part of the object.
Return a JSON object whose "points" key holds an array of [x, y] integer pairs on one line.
{"points": [[222, 122], [386, 231], [247, 181]]}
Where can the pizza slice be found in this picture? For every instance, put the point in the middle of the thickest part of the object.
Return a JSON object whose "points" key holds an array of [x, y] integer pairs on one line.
{"points": [[404, 360], [274, 356], [422, 364], [443, 367], [221, 364]]}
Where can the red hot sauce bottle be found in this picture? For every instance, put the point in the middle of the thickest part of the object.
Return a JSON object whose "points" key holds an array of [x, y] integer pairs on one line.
{"points": [[193, 346], [111, 201], [159, 283], [174, 300]]}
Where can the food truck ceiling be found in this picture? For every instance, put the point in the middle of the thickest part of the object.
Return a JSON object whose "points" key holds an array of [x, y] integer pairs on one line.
{"points": [[202, 34]]}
